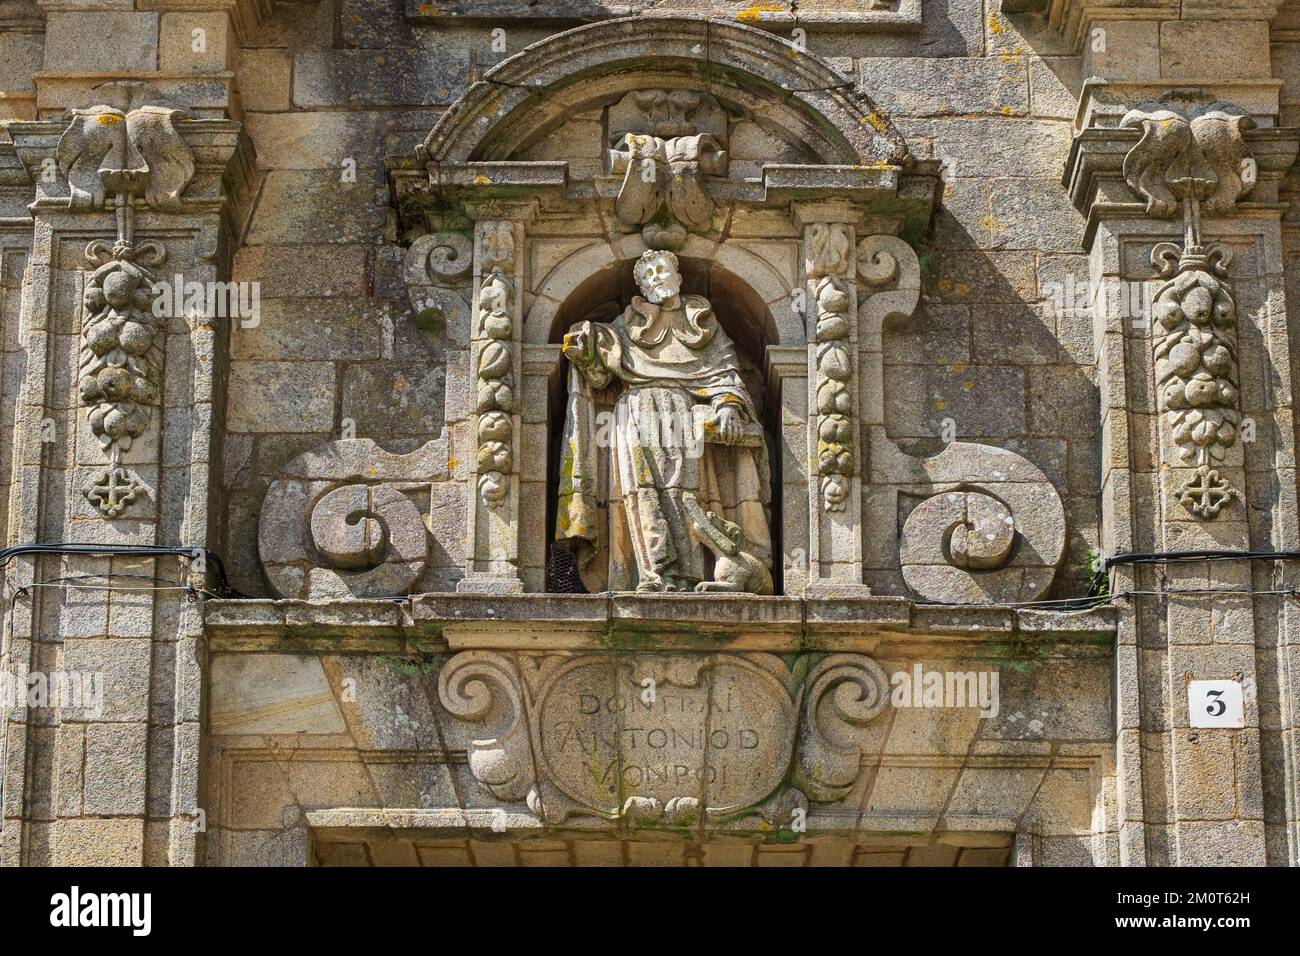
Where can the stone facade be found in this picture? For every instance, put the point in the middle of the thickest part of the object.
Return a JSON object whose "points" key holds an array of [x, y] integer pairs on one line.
{"points": [[308, 308]]}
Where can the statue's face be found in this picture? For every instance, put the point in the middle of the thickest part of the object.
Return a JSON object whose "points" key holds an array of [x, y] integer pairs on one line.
{"points": [[659, 280]]}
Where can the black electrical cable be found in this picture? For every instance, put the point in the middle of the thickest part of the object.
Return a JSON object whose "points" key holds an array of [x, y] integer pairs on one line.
{"points": [[1167, 557], [211, 560], [1161, 557]]}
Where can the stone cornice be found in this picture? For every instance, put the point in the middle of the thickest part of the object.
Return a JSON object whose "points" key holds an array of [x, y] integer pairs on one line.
{"points": [[909, 192], [1074, 18], [1103, 102], [854, 15], [433, 622]]}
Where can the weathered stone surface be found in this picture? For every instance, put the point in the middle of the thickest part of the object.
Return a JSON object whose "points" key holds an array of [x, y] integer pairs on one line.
{"points": [[289, 396], [960, 86], [75, 41], [364, 78], [910, 228], [273, 694]]}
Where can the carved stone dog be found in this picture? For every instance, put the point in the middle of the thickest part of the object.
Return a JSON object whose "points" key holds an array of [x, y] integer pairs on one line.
{"points": [[734, 569]]}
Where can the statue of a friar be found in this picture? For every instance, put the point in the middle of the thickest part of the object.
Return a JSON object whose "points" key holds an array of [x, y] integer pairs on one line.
{"points": [[687, 468]]}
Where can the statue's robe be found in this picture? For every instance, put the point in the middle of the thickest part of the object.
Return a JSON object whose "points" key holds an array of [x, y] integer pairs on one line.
{"points": [[663, 363]]}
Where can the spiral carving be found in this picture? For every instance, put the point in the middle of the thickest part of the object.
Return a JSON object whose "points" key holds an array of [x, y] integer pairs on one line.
{"points": [[845, 692], [482, 686], [993, 529], [441, 258], [326, 531], [348, 527]]}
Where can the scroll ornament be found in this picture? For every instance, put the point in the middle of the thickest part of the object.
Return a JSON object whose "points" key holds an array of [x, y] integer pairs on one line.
{"points": [[545, 733], [1198, 161], [343, 521], [989, 527], [437, 265]]}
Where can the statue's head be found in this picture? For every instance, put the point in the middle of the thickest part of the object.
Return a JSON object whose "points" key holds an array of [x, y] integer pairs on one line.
{"points": [[657, 276]]}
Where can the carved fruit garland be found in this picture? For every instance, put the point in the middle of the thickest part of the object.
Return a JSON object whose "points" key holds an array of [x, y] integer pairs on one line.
{"points": [[496, 378], [830, 265], [1195, 160], [1196, 367], [120, 361], [123, 152]]}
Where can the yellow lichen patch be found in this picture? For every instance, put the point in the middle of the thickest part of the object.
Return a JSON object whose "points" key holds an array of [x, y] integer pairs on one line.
{"points": [[109, 119], [962, 288], [990, 222], [428, 10], [755, 13], [944, 285], [482, 180], [1007, 111], [875, 121], [968, 385], [996, 27], [940, 406]]}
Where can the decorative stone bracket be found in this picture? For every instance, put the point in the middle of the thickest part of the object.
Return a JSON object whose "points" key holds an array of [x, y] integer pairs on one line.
{"points": [[672, 138], [665, 740], [985, 525]]}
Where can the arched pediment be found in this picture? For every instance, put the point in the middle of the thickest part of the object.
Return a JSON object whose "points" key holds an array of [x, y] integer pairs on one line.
{"points": [[792, 93]]}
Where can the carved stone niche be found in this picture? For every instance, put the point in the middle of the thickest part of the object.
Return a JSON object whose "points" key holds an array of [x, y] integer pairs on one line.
{"points": [[667, 741], [588, 155]]}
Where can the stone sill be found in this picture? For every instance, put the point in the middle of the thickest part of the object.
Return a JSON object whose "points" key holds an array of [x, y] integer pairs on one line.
{"points": [[514, 825], [632, 622]]}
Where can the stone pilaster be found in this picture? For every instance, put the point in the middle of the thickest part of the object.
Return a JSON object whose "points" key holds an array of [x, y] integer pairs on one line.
{"points": [[496, 493], [834, 429], [124, 323], [1193, 363]]}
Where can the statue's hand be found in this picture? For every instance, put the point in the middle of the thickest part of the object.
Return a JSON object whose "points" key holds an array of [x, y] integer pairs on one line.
{"points": [[730, 426], [577, 347]]}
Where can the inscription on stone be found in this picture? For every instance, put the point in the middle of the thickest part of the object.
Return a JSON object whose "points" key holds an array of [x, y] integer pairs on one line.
{"points": [[615, 730]]}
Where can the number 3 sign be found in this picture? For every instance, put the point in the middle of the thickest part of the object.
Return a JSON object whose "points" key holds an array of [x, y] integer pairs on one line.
{"points": [[1215, 703]]}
